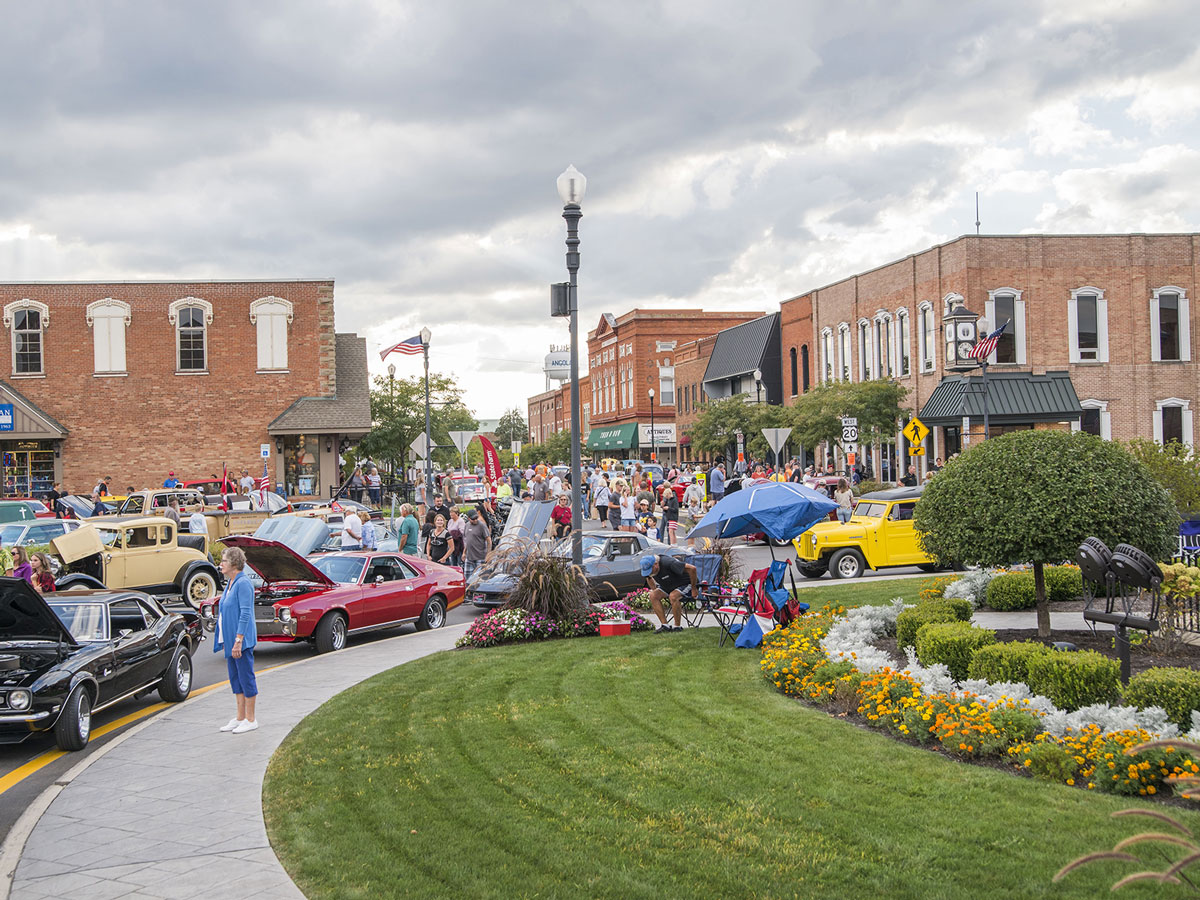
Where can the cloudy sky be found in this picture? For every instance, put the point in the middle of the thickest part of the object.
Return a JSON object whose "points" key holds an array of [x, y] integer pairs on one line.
{"points": [[737, 153]]}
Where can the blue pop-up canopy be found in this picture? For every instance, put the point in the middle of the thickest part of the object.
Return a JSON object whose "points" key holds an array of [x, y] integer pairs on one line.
{"points": [[781, 509]]}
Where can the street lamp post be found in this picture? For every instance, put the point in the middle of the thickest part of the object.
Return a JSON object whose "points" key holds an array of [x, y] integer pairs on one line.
{"points": [[653, 444], [758, 386], [425, 335], [571, 187]]}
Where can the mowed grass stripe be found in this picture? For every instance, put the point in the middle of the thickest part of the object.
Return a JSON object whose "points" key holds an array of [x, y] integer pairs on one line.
{"points": [[649, 766]]}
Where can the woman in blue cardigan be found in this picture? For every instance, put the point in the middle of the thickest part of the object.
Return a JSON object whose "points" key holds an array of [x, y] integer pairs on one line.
{"points": [[236, 636]]}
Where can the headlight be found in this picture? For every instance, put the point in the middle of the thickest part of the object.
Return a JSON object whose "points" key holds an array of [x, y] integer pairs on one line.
{"points": [[19, 700], [285, 614]]}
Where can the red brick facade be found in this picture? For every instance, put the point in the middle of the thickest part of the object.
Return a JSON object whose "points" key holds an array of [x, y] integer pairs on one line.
{"points": [[151, 418], [691, 360]]}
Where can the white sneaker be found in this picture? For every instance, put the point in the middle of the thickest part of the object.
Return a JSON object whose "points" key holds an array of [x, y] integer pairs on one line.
{"points": [[232, 724], [243, 727]]}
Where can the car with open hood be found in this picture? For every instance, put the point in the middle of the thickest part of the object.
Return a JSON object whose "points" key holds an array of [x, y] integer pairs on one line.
{"points": [[611, 559], [879, 535], [141, 552], [333, 596], [65, 656]]}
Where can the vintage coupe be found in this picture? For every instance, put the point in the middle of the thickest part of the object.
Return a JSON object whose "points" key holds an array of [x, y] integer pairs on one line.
{"points": [[325, 600], [137, 552], [65, 656]]}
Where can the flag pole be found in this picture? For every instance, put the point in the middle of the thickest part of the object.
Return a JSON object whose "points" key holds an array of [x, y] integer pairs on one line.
{"points": [[986, 430]]}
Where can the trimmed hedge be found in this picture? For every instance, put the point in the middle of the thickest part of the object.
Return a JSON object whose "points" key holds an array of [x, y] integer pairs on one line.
{"points": [[1075, 679], [1016, 590], [952, 644], [942, 610], [1007, 662], [1175, 690]]}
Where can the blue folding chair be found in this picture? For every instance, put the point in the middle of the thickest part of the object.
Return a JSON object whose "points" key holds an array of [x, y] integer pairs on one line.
{"points": [[708, 569]]}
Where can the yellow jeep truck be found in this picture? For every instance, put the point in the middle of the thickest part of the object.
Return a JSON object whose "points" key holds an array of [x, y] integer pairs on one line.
{"points": [[879, 534]]}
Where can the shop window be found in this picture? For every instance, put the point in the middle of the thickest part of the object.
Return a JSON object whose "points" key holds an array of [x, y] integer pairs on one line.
{"points": [[302, 464], [1170, 333], [28, 468], [805, 381], [1087, 325], [928, 337], [827, 354], [666, 385], [26, 320], [271, 317], [1005, 305], [883, 346], [1173, 421], [903, 357], [191, 317], [108, 319], [844, 350]]}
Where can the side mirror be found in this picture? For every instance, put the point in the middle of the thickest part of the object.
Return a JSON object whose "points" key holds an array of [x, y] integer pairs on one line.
{"points": [[611, 554], [379, 579]]}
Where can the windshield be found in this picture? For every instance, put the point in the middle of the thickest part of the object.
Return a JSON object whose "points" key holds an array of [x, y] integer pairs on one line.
{"points": [[10, 534], [87, 622], [593, 545], [342, 569], [872, 510], [108, 537]]}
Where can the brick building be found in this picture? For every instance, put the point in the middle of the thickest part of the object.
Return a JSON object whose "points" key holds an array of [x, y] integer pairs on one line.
{"points": [[550, 411], [630, 355], [1109, 311], [691, 362], [136, 379]]}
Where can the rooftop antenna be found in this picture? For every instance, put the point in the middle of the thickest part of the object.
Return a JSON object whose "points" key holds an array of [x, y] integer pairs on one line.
{"points": [[977, 212]]}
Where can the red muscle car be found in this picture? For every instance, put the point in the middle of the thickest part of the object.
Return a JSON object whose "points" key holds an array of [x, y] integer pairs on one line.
{"points": [[329, 598]]}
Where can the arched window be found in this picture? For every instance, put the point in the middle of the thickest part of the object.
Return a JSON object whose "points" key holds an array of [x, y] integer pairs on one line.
{"points": [[795, 377], [108, 319], [804, 378], [27, 319], [191, 317], [271, 316]]}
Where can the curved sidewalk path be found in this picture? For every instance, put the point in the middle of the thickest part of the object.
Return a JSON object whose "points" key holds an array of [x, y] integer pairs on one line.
{"points": [[174, 810]]}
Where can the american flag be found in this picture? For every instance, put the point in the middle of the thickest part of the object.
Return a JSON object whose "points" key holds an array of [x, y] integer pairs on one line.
{"points": [[410, 346], [264, 485], [985, 348]]}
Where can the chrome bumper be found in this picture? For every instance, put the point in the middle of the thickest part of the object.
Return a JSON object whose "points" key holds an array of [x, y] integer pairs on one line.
{"points": [[25, 718], [275, 627]]}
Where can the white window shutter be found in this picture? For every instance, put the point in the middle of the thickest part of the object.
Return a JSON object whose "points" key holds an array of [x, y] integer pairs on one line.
{"points": [[1102, 329], [263, 327], [279, 347], [1185, 331], [1155, 346], [1158, 426], [116, 342], [1073, 330], [1106, 424], [1187, 427], [1019, 326], [100, 342]]}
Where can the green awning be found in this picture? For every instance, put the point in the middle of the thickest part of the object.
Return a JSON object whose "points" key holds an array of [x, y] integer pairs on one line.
{"points": [[612, 437]]}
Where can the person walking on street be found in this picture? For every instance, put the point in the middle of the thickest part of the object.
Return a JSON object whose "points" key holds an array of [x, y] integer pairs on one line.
{"points": [[601, 499], [21, 565], [172, 512], [375, 486], [409, 531], [716, 482], [236, 635], [910, 479], [437, 545], [614, 507], [844, 497], [247, 482], [352, 531], [539, 489], [628, 510], [456, 526], [670, 514], [369, 539], [477, 541]]}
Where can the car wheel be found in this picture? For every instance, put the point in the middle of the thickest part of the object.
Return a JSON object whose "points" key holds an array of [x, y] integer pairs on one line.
{"points": [[846, 563], [330, 634], [928, 567], [198, 587], [176, 682], [433, 615], [813, 571], [775, 543], [74, 725]]}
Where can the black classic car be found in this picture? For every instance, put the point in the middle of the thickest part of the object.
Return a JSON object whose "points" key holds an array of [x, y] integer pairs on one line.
{"points": [[611, 561], [65, 656]]}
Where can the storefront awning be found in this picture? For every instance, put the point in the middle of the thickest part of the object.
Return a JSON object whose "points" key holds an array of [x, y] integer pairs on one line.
{"points": [[346, 413], [1012, 398], [612, 437]]}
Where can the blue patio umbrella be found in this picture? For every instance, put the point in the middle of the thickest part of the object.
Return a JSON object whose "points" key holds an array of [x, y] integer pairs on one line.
{"points": [[781, 509]]}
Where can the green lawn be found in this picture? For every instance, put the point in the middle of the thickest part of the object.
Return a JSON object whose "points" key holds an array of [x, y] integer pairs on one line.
{"points": [[862, 592], [650, 766]]}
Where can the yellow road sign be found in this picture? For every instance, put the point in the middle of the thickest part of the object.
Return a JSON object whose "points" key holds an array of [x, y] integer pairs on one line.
{"points": [[916, 451], [916, 431]]}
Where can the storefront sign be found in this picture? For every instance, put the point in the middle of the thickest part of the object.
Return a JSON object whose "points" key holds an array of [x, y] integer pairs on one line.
{"points": [[6, 417], [664, 434]]}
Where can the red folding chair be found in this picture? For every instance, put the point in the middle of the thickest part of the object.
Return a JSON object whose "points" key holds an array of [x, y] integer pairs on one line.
{"points": [[731, 617]]}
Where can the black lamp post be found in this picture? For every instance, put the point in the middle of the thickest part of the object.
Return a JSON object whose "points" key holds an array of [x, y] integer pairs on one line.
{"points": [[653, 444], [571, 187]]}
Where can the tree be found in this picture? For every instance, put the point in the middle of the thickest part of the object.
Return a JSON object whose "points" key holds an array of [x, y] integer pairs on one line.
{"points": [[1033, 496], [719, 422], [398, 416], [1176, 468], [817, 415], [512, 427]]}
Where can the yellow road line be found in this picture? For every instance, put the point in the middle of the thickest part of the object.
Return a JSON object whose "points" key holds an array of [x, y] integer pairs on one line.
{"points": [[19, 774]]}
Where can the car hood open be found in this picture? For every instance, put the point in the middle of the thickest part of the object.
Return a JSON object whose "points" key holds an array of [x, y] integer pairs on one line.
{"points": [[528, 519], [25, 615], [275, 562], [79, 544], [301, 534]]}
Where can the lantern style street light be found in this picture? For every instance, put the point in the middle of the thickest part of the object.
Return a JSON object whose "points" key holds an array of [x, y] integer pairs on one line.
{"points": [[571, 188]]}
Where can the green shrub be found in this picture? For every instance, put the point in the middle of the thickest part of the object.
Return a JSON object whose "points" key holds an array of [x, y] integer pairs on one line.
{"points": [[1175, 690], [1013, 726], [1063, 583], [1014, 590], [951, 643], [1072, 680], [1007, 662], [928, 611], [1050, 762]]}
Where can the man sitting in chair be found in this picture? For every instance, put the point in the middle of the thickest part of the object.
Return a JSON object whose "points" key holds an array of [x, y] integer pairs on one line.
{"points": [[669, 576]]}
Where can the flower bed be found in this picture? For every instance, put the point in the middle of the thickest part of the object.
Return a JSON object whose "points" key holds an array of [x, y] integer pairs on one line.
{"points": [[510, 626], [828, 658]]}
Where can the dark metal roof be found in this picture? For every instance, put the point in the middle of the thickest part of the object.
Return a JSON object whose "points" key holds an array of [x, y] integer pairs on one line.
{"points": [[1012, 397], [741, 349]]}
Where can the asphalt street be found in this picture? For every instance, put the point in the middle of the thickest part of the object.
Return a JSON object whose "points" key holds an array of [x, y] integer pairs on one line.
{"points": [[28, 768]]}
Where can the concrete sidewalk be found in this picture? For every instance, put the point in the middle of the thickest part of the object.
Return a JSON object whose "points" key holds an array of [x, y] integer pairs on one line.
{"points": [[1027, 618], [175, 809]]}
